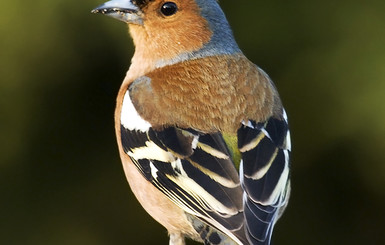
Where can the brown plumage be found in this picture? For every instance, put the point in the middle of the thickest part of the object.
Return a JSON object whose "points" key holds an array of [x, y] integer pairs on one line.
{"points": [[222, 88]]}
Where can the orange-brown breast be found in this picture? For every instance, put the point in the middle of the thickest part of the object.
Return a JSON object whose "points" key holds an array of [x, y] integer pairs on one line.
{"points": [[209, 94]]}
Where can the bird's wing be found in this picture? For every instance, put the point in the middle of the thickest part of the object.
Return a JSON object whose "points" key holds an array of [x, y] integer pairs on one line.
{"points": [[193, 169], [264, 173]]}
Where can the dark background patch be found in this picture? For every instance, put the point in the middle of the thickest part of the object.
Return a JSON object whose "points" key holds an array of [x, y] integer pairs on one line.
{"points": [[61, 179]]}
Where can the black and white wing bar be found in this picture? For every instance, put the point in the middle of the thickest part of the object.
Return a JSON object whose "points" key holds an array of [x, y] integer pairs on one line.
{"points": [[264, 173]]}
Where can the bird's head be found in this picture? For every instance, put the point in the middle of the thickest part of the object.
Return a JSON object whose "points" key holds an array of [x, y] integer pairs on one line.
{"points": [[170, 31]]}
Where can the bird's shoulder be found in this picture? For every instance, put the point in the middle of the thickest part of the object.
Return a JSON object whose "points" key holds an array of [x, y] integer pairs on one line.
{"points": [[210, 93]]}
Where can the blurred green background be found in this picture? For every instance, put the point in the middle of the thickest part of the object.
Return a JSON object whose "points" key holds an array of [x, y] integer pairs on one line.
{"points": [[61, 181]]}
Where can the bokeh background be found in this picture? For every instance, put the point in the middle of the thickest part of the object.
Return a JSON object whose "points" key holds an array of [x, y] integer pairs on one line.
{"points": [[61, 181]]}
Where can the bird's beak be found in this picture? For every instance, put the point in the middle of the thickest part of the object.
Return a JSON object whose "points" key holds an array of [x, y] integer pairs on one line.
{"points": [[123, 10]]}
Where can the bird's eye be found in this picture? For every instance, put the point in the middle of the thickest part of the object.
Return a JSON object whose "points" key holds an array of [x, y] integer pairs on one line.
{"points": [[169, 8]]}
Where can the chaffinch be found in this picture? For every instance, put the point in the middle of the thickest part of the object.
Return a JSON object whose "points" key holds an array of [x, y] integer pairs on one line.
{"points": [[201, 130]]}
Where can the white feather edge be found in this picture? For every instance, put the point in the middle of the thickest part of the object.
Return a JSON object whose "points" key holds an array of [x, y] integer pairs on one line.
{"points": [[279, 189], [152, 152], [129, 117]]}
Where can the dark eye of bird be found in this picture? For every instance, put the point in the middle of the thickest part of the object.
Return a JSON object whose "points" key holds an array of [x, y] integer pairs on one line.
{"points": [[169, 8]]}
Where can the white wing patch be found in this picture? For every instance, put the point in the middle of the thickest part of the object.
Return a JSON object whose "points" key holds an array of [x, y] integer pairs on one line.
{"points": [[129, 118], [151, 151], [201, 195], [154, 170], [213, 151]]}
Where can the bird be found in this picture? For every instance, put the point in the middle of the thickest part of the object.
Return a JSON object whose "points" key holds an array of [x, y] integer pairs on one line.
{"points": [[202, 133]]}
